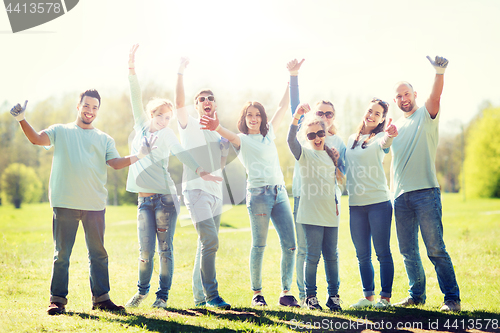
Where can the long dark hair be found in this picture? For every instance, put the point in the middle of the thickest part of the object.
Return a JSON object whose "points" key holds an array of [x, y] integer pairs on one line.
{"points": [[242, 124], [376, 130]]}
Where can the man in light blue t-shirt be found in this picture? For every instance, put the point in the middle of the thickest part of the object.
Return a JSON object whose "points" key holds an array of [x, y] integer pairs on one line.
{"points": [[417, 203], [77, 193]]}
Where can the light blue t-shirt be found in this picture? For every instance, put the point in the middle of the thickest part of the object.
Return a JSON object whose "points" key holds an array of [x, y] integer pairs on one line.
{"points": [[332, 141], [414, 152], [79, 170], [318, 189], [150, 174], [259, 156], [365, 175]]}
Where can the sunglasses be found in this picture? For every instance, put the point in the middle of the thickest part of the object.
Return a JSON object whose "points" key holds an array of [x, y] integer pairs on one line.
{"points": [[312, 135], [327, 114], [201, 99], [378, 100]]}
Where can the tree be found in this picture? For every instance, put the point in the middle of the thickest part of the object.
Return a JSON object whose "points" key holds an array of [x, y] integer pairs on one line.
{"points": [[482, 156], [20, 184]]}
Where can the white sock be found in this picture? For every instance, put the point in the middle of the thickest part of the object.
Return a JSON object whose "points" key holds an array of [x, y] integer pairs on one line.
{"points": [[286, 293], [258, 293]]}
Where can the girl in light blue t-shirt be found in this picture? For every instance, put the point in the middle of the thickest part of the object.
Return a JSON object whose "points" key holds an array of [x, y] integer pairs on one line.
{"points": [[267, 197], [369, 202]]}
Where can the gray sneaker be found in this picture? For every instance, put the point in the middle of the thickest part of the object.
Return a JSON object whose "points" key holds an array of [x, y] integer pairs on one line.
{"points": [[135, 300], [451, 305], [408, 301], [160, 303]]}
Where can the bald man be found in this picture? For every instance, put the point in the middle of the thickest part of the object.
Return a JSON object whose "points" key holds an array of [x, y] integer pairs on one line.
{"points": [[417, 203]]}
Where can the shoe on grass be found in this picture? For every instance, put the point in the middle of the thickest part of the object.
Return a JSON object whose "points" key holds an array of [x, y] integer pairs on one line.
{"points": [[288, 300], [107, 305], [451, 305], [135, 300], [312, 303], [56, 308], [160, 303], [200, 304], [302, 303], [363, 303], [258, 300], [333, 303], [408, 301], [219, 303], [382, 304]]}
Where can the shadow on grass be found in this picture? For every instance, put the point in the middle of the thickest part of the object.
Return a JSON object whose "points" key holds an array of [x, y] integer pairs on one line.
{"points": [[390, 320]]}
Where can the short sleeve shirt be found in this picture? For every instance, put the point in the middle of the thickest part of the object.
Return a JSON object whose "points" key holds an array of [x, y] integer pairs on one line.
{"points": [[79, 169], [414, 152]]}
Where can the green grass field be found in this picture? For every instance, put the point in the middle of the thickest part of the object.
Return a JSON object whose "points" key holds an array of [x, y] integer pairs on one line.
{"points": [[472, 230]]}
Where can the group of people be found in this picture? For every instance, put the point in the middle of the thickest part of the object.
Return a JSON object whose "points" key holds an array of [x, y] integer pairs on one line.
{"points": [[77, 192]]}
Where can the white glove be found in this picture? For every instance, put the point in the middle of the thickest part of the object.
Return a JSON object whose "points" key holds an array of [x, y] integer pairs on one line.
{"points": [[439, 64], [18, 111], [147, 146]]}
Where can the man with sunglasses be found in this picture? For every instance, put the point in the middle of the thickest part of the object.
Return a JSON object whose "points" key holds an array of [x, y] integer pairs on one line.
{"points": [[417, 203], [203, 200]]}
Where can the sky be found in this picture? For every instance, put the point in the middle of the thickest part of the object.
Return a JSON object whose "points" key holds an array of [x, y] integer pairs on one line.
{"points": [[353, 49]]}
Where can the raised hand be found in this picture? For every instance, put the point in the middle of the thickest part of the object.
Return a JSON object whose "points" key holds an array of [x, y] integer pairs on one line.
{"points": [[131, 56], [183, 64], [18, 111], [293, 66], [391, 129], [209, 123], [302, 108], [335, 153], [439, 63], [147, 146]]}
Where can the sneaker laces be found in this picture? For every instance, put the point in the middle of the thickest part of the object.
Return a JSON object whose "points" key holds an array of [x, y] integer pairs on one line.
{"points": [[336, 300], [313, 300]]}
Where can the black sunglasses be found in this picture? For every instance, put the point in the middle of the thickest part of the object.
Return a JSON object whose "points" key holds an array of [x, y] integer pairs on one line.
{"points": [[201, 99], [312, 135], [327, 114]]}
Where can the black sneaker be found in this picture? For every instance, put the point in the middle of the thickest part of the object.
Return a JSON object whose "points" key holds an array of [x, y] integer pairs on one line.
{"points": [[56, 308], [258, 300], [289, 300], [312, 303], [107, 306], [333, 303]]}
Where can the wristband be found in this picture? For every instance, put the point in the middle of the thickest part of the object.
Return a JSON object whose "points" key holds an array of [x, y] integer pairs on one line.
{"points": [[294, 73], [180, 73], [217, 128], [199, 170]]}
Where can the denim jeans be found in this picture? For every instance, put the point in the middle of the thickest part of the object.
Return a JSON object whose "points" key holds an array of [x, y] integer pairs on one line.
{"points": [[156, 219], [422, 209], [367, 223], [263, 203], [205, 210], [301, 250], [64, 228], [319, 240]]}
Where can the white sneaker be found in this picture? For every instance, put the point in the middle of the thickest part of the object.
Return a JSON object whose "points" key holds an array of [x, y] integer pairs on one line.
{"points": [[160, 303], [302, 303], [135, 300], [382, 304], [363, 303]]}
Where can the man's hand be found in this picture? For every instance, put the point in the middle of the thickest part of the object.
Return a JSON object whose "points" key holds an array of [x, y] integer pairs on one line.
{"points": [[391, 129], [18, 111], [439, 64], [183, 65], [208, 123], [207, 176], [293, 66], [131, 56], [147, 146]]}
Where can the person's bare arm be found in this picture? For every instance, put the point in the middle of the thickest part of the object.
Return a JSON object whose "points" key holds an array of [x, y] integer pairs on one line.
{"points": [[37, 138], [212, 124], [145, 149], [180, 97], [282, 107], [433, 102]]}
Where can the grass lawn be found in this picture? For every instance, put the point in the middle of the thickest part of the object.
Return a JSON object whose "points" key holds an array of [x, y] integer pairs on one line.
{"points": [[472, 230]]}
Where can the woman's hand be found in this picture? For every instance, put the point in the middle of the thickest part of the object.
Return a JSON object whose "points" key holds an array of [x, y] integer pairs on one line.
{"points": [[293, 66], [391, 129]]}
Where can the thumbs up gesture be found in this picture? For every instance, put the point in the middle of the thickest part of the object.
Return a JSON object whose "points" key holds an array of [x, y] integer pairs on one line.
{"points": [[391, 129], [18, 111]]}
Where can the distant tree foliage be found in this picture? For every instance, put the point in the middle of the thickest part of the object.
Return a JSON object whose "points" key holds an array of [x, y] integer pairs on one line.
{"points": [[482, 156], [20, 184]]}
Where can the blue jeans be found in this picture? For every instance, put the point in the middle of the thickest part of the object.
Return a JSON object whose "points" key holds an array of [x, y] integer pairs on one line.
{"points": [[205, 210], [367, 222], [319, 240], [156, 219], [422, 209], [301, 250], [263, 203], [64, 227]]}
